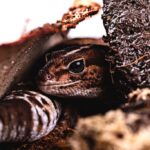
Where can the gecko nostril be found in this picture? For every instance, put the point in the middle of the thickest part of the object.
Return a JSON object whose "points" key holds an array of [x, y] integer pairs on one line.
{"points": [[49, 76], [44, 76]]}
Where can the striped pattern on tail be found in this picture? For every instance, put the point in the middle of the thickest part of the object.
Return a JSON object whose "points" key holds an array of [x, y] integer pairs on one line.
{"points": [[27, 116]]}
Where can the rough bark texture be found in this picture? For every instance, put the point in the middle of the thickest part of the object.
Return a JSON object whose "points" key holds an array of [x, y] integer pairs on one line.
{"points": [[127, 24]]}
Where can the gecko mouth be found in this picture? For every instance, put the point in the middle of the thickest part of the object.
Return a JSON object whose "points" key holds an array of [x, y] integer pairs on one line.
{"points": [[56, 84], [69, 89]]}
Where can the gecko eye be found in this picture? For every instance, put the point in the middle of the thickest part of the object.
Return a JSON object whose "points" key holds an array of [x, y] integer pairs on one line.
{"points": [[77, 66]]}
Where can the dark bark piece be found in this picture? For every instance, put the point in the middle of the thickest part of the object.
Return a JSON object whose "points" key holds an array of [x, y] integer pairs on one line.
{"points": [[127, 24], [16, 60]]}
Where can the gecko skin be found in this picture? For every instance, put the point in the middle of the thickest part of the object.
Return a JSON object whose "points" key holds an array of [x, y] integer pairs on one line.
{"points": [[76, 71]]}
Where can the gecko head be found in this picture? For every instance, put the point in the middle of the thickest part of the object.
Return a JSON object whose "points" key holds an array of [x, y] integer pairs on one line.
{"points": [[76, 71]]}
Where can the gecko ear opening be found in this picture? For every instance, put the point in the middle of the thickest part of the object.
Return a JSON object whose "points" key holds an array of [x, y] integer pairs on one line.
{"points": [[77, 66]]}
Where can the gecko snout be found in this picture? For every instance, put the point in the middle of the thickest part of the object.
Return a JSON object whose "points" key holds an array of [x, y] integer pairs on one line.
{"points": [[44, 76]]}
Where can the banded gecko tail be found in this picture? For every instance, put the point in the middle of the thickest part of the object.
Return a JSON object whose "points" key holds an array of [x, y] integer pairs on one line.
{"points": [[27, 116]]}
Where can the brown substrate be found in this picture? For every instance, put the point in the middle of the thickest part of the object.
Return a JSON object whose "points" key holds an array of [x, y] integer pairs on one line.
{"points": [[128, 33]]}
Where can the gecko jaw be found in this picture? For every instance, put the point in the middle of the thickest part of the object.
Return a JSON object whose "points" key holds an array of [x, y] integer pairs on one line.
{"points": [[70, 90]]}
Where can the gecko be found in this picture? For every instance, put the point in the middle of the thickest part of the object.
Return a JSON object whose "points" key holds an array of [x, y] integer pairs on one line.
{"points": [[76, 71]]}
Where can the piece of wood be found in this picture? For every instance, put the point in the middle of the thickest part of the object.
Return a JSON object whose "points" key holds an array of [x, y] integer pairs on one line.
{"points": [[16, 60]]}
